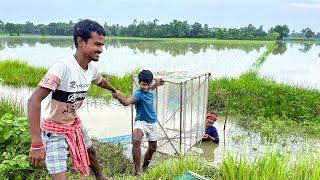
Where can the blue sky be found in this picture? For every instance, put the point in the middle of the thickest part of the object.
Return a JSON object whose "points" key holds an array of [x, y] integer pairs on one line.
{"points": [[297, 14]]}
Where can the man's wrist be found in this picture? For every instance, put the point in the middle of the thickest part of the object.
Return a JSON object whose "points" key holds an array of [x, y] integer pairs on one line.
{"points": [[36, 140], [37, 145]]}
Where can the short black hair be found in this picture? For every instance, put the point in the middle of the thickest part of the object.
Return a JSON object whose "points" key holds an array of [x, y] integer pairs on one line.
{"points": [[84, 28], [145, 76]]}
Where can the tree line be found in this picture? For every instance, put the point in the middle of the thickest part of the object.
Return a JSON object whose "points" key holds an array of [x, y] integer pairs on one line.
{"points": [[174, 29]]}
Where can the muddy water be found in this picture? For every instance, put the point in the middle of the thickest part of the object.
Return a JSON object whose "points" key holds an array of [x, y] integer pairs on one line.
{"points": [[238, 141], [101, 118]]}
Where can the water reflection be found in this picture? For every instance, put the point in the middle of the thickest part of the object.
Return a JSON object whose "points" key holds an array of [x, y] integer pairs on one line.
{"points": [[152, 46], [16, 42], [139, 46], [125, 56], [280, 49], [304, 47], [294, 63], [176, 49]]}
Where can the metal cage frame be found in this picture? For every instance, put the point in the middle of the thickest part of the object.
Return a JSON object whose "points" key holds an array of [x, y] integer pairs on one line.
{"points": [[199, 80]]}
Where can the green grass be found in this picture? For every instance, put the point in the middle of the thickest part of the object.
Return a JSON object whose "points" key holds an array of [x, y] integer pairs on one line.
{"points": [[264, 100], [122, 84], [112, 160], [174, 167], [8, 105], [19, 73], [266, 106], [192, 40], [271, 165]]}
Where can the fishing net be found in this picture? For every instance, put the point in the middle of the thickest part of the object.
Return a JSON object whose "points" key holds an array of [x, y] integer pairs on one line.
{"points": [[181, 105]]}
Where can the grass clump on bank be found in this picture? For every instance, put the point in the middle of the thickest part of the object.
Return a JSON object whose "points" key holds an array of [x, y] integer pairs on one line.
{"points": [[122, 84], [271, 165], [18, 73], [112, 159], [10, 106], [175, 167]]}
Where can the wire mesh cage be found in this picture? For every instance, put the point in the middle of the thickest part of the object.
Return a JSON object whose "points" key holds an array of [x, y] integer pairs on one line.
{"points": [[181, 106]]}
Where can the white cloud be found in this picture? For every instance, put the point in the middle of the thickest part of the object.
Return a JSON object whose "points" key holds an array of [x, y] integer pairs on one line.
{"points": [[315, 4]]}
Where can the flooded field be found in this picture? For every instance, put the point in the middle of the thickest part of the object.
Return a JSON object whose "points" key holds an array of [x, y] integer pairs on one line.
{"points": [[289, 63]]}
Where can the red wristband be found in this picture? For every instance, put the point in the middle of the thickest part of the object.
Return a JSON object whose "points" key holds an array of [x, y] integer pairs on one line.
{"points": [[36, 145]]}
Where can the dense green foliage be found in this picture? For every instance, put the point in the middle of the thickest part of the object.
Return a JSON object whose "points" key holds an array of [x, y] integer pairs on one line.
{"points": [[174, 29], [59, 28], [283, 31], [15, 144], [181, 29], [306, 33]]}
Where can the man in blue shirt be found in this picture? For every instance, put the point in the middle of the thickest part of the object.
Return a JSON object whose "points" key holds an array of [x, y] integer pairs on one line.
{"points": [[211, 133], [145, 121]]}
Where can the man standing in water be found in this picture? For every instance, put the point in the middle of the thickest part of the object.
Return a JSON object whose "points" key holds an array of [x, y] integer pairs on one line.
{"points": [[67, 81]]}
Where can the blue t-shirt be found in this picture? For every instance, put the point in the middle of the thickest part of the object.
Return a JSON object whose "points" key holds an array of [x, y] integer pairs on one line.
{"points": [[212, 131], [144, 106]]}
